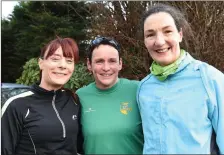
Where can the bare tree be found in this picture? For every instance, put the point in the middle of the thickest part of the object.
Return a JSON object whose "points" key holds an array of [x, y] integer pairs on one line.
{"points": [[122, 21]]}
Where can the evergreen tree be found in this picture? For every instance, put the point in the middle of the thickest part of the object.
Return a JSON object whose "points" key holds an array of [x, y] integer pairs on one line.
{"points": [[33, 24]]}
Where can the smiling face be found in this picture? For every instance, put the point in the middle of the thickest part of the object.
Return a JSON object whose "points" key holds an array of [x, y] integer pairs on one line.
{"points": [[105, 66], [56, 70], [162, 38]]}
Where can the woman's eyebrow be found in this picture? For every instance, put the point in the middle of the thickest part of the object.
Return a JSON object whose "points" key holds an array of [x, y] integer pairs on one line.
{"points": [[166, 27]]}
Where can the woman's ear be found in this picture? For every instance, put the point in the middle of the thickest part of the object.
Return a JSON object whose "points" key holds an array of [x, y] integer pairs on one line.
{"points": [[89, 65], [40, 63], [181, 35], [120, 64]]}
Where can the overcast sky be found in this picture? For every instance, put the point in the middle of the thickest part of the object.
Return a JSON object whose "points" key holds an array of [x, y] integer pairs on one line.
{"points": [[7, 8]]}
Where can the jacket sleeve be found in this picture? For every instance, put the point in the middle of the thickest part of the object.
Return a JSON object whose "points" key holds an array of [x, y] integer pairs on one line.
{"points": [[80, 138], [218, 115], [214, 82], [10, 128]]}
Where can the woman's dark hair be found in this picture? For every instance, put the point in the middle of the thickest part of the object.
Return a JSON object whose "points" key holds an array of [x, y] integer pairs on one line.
{"points": [[102, 41], [178, 17], [68, 45]]}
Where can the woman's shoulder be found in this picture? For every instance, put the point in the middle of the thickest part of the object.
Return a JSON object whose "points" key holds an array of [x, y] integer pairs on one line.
{"points": [[208, 70], [18, 102], [88, 88], [129, 81], [148, 78]]}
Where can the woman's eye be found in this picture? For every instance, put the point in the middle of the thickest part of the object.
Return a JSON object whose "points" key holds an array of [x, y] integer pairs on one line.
{"points": [[168, 31], [149, 35], [99, 61], [55, 59], [113, 61], [69, 61]]}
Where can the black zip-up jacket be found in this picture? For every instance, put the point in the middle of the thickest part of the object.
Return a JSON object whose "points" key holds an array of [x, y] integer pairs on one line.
{"points": [[41, 122]]}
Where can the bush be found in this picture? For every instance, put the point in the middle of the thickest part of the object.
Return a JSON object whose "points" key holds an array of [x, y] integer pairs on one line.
{"points": [[81, 77], [31, 74]]}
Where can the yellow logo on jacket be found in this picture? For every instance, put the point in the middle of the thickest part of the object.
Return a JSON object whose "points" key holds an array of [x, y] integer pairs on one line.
{"points": [[124, 108]]}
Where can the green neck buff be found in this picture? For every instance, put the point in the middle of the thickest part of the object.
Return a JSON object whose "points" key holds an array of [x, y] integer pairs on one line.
{"points": [[161, 72]]}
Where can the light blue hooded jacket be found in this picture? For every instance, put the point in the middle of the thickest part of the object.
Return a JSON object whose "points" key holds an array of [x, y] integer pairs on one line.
{"points": [[178, 114]]}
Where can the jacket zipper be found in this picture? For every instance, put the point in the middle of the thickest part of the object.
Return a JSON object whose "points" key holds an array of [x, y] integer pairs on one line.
{"points": [[58, 116]]}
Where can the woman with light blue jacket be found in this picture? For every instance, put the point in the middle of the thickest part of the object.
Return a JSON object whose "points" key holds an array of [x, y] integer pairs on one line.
{"points": [[182, 101]]}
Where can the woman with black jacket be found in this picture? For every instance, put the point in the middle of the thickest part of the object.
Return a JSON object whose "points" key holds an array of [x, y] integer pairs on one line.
{"points": [[46, 119]]}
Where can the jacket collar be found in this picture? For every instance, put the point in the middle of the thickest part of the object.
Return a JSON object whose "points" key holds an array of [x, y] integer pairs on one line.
{"points": [[187, 60], [42, 91]]}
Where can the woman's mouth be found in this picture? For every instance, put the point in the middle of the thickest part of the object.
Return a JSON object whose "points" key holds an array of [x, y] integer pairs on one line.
{"points": [[162, 50], [106, 75], [59, 74]]}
